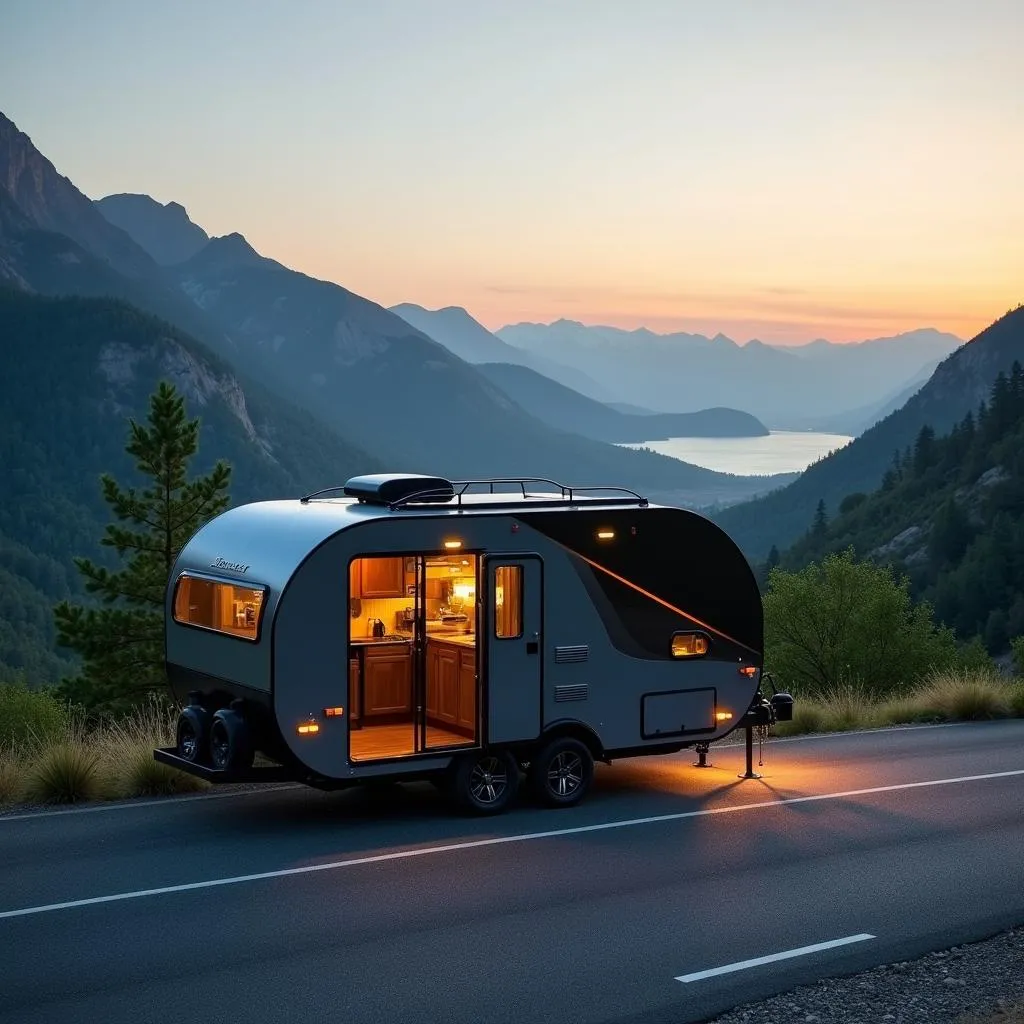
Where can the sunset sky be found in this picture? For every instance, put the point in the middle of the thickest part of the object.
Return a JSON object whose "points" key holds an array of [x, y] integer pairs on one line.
{"points": [[781, 169]]}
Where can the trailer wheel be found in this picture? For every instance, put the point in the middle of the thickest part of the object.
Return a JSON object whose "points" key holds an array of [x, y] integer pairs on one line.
{"points": [[561, 773], [192, 734], [486, 781], [231, 746]]}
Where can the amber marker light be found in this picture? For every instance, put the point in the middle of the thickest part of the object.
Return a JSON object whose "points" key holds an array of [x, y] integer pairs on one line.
{"points": [[334, 712], [453, 545], [605, 534], [309, 728], [723, 716], [748, 670]]}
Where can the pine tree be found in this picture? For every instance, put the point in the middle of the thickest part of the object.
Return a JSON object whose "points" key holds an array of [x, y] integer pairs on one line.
{"points": [[121, 640], [820, 526]]}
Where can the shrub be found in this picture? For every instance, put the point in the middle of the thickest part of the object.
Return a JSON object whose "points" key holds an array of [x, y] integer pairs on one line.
{"points": [[965, 696], [1017, 699], [1017, 646], [10, 777], [30, 716], [66, 770], [845, 621]]}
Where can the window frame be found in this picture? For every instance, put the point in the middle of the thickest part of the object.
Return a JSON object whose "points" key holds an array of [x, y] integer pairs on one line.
{"points": [[694, 633], [190, 574]]}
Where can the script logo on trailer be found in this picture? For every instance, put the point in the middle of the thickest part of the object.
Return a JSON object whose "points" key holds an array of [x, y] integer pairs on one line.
{"points": [[220, 563]]}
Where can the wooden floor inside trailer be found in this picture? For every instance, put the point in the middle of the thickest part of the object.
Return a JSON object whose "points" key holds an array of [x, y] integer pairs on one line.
{"points": [[373, 742]]}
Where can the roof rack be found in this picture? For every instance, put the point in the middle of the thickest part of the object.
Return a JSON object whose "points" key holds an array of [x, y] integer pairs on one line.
{"points": [[569, 494]]}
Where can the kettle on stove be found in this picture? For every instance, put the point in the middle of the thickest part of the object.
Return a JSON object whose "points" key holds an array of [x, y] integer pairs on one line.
{"points": [[376, 627]]}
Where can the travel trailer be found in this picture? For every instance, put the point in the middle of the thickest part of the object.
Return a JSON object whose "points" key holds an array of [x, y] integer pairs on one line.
{"points": [[476, 633]]}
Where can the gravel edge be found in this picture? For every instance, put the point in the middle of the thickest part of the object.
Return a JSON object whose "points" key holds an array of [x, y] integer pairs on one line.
{"points": [[974, 983]]}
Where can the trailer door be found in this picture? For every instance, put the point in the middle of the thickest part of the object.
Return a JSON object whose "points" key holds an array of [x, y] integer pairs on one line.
{"points": [[514, 664]]}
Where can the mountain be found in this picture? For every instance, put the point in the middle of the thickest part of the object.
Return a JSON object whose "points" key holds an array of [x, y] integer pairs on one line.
{"points": [[568, 410], [780, 386], [165, 230], [74, 369], [50, 202], [393, 390], [467, 338], [960, 382], [950, 517]]}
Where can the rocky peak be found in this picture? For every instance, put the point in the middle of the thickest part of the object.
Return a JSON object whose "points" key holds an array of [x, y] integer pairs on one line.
{"points": [[164, 230]]}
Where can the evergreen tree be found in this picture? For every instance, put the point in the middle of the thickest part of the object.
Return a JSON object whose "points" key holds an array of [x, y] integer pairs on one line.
{"points": [[121, 641], [819, 528], [924, 450]]}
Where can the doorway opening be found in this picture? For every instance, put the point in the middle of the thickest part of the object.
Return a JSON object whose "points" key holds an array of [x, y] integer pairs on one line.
{"points": [[414, 665]]}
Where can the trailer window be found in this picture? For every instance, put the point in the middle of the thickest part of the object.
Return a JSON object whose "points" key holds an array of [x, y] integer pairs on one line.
{"points": [[508, 601], [689, 645], [223, 607]]}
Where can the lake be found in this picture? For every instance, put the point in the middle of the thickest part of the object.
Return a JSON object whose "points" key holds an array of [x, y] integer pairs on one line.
{"points": [[782, 451]]}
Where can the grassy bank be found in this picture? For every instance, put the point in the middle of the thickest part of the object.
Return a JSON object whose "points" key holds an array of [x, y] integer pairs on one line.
{"points": [[960, 696], [49, 755]]}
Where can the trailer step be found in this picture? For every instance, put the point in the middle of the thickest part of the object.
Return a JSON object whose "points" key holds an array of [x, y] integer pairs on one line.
{"points": [[257, 773]]}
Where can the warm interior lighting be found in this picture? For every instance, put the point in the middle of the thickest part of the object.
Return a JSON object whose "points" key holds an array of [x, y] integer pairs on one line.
{"points": [[453, 545], [723, 716], [309, 728], [605, 534], [689, 645], [748, 670], [463, 590], [334, 712]]}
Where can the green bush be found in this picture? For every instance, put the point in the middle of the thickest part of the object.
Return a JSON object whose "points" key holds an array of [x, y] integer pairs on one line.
{"points": [[844, 622], [30, 716], [65, 771], [1017, 646], [10, 777]]}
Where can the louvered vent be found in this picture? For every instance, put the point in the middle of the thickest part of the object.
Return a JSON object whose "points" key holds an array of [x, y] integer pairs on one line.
{"points": [[578, 653], [573, 691]]}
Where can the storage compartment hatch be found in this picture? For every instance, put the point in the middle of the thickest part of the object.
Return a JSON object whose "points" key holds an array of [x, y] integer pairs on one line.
{"points": [[678, 712]]}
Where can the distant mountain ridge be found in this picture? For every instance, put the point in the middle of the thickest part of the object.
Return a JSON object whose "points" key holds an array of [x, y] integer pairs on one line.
{"points": [[959, 384], [568, 410], [682, 372], [466, 337]]}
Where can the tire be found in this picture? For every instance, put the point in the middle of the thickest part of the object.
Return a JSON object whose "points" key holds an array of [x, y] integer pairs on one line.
{"points": [[230, 745], [486, 781], [193, 734], [561, 773]]}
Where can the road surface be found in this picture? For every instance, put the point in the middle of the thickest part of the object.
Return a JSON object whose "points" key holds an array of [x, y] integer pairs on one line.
{"points": [[668, 895]]}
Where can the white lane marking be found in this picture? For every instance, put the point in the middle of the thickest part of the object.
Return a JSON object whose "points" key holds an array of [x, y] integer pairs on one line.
{"points": [[470, 844], [742, 965]]}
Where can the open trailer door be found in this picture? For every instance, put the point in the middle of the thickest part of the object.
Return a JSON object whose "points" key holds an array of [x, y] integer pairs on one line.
{"points": [[514, 661]]}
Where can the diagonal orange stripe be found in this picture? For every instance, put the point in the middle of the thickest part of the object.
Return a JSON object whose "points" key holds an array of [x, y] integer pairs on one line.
{"points": [[663, 602]]}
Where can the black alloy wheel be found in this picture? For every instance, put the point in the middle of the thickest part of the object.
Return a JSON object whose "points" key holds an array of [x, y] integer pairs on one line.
{"points": [[561, 773], [486, 781]]}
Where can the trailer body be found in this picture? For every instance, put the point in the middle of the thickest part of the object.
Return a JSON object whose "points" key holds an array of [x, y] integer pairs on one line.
{"points": [[465, 632]]}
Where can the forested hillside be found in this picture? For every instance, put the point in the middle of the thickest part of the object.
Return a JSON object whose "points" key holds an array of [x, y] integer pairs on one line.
{"points": [[950, 515], [74, 371]]}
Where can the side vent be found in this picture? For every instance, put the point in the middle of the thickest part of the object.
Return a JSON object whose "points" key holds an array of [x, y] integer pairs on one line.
{"points": [[573, 691], [581, 652]]}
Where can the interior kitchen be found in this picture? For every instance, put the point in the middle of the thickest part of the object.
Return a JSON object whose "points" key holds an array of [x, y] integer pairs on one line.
{"points": [[384, 600]]}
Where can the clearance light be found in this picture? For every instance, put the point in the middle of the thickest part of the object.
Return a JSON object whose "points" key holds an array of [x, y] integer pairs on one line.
{"points": [[748, 670], [309, 728], [723, 716], [689, 645], [334, 712], [605, 534], [453, 545]]}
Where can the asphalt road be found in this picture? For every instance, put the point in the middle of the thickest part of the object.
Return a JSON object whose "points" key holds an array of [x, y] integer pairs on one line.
{"points": [[294, 905]]}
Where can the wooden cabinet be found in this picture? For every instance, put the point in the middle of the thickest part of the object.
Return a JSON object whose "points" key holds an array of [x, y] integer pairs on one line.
{"points": [[353, 690], [355, 582], [382, 577], [387, 680], [451, 685]]}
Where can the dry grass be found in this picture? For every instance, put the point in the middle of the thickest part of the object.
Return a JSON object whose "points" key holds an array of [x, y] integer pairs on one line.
{"points": [[129, 767], [10, 777], [65, 770], [958, 696]]}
